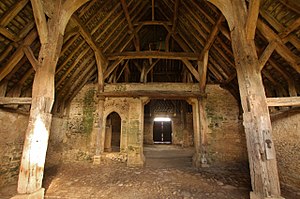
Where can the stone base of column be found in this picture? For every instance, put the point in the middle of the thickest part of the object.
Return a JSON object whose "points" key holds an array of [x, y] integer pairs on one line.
{"points": [[39, 194], [255, 196], [199, 161], [97, 159], [135, 158]]}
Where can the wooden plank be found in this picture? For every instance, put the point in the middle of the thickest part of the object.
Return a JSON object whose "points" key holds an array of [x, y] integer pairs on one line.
{"points": [[153, 23], [15, 100], [153, 94], [283, 101], [252, 17], [191, 68], [40, 20], [266, 55], [153, 54], [12, 12]]}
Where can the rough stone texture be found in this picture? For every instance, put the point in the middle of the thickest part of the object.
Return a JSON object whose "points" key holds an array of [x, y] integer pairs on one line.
{"points": [[286, 134], [12, 130], [226, 138]]}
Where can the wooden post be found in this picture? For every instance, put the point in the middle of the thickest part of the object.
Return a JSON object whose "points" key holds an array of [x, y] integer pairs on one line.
{"points": [[203, 130], [261, 151], [37, 132]]}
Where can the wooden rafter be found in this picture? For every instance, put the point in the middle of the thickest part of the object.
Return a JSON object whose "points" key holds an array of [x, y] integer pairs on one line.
{"points": [[112, 67], [88, 38], [127, 16], [12, 12], [290, 28], [6, 33], [17, 56], [30, 56], [202, 69], [252, 17], [174, 23], [268, 33]]}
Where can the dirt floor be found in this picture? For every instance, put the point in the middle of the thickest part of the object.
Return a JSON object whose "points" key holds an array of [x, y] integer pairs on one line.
{"points": [[167, 174]]}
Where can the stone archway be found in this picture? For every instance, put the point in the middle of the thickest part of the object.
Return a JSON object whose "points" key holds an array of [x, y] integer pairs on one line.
{"points": [[113, 131]]}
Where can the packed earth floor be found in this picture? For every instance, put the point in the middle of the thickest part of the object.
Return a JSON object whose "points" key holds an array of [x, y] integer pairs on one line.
{"points": [[167, 174]]}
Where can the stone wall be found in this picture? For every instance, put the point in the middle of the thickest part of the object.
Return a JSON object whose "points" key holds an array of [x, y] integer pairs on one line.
{"points": [[12, 131], [226, 137], [286, 135]]}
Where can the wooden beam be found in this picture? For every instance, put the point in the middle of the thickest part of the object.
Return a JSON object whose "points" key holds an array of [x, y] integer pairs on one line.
{"points": [[15, 100], [137, 40], [17, 56], [283, 101], [252, 17], [154, 55], [153, 23], [211, 38], [268, 33], [174, 22], [202, 69], [290, 28], [88, 38], [40, 20], [6, 33], [111, 68], [153, 10], [30, 56], [266, 55], [12, 12], [191, 68]]}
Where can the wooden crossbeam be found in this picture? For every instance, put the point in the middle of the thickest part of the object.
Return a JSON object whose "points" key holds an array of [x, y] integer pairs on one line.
{"points": [[252, 17], [127, 16], [283, 101], [15, 100], [153, 23], [154, 55], [174, 22], [40, 20]]}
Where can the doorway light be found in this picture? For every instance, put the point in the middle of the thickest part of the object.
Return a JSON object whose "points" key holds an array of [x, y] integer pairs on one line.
{"points": [[162, 119]]}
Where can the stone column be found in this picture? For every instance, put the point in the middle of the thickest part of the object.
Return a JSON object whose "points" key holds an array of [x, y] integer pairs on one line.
{"points": [[98, 129]]}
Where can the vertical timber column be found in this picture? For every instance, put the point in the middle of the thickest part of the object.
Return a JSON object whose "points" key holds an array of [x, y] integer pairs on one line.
{"points": [[100, 130], [203, 130], [37, 133], [51, 32], [258, 130], [196, 126]]}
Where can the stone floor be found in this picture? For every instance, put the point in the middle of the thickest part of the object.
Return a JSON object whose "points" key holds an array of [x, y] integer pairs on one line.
{"points": [[167, 174]]}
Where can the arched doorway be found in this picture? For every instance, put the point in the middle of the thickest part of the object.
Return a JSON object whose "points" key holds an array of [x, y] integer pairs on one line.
{"points": [[112, 133]]}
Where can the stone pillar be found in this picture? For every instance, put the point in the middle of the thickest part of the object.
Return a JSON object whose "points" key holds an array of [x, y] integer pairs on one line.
{"points": [[135, 134], [98, 129]]}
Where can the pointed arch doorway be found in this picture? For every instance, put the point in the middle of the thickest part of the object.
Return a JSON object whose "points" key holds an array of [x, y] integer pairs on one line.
{"points": [[112, 133]]}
